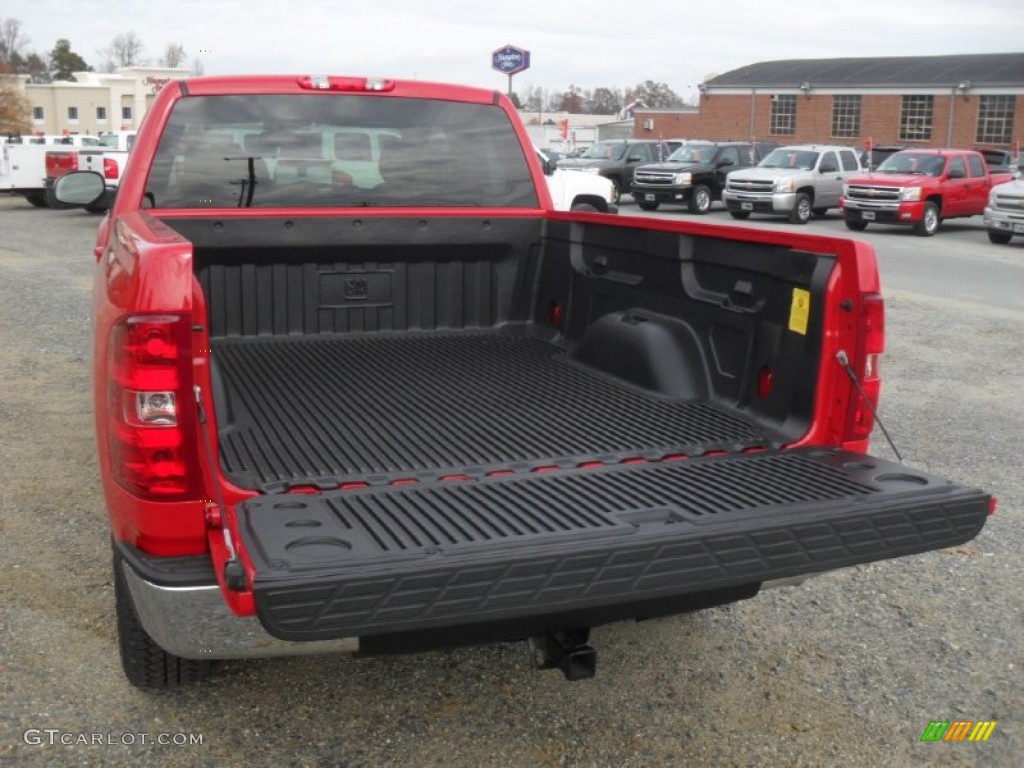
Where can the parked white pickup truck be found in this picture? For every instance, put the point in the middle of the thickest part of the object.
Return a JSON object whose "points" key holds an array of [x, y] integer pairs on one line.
{"points": [[123, 140], [54, 139], [108, 160], [23, 171], [572, 191]]}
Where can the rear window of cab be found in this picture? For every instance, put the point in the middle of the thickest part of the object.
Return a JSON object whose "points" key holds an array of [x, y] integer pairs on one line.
{"points": [[307, 150]]}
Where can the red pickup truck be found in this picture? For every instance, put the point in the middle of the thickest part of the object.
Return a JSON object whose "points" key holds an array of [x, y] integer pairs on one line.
{"points": [[920, 187], [341, 405]]}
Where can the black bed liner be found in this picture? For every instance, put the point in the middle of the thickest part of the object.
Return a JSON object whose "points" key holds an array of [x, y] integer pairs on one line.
{"points": [[326, 410], [535, 545]]}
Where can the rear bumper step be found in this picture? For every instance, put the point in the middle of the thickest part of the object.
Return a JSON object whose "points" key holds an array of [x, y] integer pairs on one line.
{"points": [[408, 558]]}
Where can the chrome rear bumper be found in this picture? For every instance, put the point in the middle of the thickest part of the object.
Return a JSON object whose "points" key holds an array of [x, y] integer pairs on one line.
{"points": [[196, 623]]}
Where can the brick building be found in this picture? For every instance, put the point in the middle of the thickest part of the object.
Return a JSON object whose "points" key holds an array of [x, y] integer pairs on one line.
{"points": [[974, 100]]}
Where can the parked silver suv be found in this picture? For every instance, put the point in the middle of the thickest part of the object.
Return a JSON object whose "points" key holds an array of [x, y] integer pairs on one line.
{"points": [[792, 181]]}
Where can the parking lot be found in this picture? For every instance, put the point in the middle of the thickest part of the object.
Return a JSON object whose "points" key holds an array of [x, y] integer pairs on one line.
{"points": [[848, 669]]}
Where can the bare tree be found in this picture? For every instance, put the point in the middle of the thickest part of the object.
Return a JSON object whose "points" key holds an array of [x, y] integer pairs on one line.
{"points": [[604, 101], [174, 55], [12, 41], [14, 107], [656, 95], [125, 50]]}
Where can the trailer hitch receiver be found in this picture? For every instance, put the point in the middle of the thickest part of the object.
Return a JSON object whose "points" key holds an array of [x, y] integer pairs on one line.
{"points": [[566, 650]]}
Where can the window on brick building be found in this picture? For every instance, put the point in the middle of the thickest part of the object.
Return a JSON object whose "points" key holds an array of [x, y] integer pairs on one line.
{"points": [[916, 118], [37, 113], [101, 113], [995, 119], [72, 113], [846, 117], [783, 117]]}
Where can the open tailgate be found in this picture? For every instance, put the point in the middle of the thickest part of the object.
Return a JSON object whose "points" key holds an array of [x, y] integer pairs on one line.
{"points": [[391, 559]]}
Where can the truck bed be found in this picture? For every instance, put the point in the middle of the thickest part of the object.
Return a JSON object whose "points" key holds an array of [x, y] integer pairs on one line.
{"points": [[376, 408]]}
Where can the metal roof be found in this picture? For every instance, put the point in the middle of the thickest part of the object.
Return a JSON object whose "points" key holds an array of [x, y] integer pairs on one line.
{"points": [[980, 69]]}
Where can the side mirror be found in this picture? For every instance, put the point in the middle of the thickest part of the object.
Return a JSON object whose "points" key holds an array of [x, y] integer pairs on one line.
{"points": [[79, 188], [956, 173], [634, 159], [827, 168], [725, 161], [550, 166]]}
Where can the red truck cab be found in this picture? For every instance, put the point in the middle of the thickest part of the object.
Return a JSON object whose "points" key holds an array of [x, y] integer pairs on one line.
{"points": [[919, 187]]}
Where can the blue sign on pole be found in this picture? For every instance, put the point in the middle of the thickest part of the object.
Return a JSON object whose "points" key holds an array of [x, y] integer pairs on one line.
{"points": [[509, 59]]}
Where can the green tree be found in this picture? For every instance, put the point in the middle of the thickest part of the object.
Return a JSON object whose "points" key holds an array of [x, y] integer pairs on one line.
{"points": [[64, 61]]}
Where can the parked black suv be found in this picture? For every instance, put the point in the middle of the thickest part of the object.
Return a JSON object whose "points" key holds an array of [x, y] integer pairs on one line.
{"points": [[694, 174], [617, 159]]}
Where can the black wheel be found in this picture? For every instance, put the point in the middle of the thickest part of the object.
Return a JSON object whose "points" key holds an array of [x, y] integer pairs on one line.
{"points": [[801, 212], [145, 663], [646, 206], [700, 200], [95, 209], [856, 226], [999, 238], [38, 199], [929, 223], [741, 215], [819, 211]]}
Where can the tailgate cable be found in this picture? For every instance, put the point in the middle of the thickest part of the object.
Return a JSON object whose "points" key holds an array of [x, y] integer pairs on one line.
{"points": [[845, 362], [234, 572]]}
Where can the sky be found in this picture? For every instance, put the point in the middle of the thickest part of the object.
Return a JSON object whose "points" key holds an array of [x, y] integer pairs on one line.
{"points": [[588, 44]]}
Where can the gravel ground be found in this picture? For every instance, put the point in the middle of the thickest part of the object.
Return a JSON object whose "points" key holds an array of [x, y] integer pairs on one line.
{"points": [[846, 670]]}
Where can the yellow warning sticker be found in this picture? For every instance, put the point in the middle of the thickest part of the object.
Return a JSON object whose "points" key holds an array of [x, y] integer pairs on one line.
{"points": [[800, 311]]}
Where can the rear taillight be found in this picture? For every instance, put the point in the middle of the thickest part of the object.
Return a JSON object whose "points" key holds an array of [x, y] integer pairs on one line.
{"points": [[151, 416], [110, 169], [860, 419], [59, 163]]}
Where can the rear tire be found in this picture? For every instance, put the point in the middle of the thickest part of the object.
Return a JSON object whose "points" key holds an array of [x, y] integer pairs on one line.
{"points": [[700, 200], [741, 215], [801, 212], [38, 199], [645, 206], [929, 223], [146, 664], [999, 238], [856, 226]]}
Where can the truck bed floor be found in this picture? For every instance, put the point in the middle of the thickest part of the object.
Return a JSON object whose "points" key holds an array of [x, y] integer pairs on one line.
{"points": [[374, 408]]}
